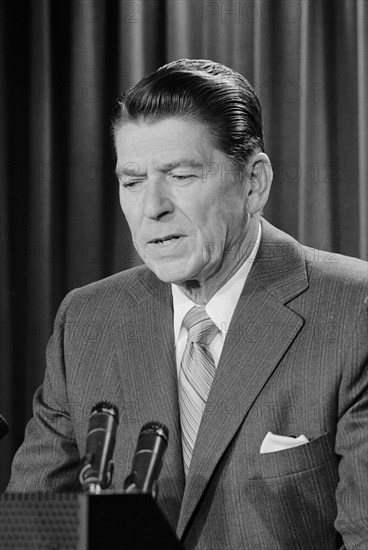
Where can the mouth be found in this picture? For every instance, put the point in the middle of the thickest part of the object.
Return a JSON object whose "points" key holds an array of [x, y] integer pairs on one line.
{"points": [[166, 241]]}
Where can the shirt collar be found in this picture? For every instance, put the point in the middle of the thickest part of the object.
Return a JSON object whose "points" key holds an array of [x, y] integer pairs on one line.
{"points": [[222, 304]]}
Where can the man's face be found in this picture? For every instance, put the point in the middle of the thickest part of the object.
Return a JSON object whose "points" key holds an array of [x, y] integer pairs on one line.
{"points": [[183, 201]]}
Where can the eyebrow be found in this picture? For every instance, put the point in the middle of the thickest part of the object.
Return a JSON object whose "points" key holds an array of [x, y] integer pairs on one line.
{"points": [[186, 162], [129, 170]]}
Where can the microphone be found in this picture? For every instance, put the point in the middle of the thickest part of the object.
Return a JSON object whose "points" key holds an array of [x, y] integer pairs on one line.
{"points": [[97, 465], [4, 428], [148, 460]]}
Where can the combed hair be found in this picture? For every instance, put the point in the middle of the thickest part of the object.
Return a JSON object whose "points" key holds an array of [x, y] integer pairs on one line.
{"points": [[208, 92]]}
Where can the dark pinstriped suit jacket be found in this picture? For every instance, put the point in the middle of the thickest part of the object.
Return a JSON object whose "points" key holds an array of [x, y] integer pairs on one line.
{"points": [[294, 362]]}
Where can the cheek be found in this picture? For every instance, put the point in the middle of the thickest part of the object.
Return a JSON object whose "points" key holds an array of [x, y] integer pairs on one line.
{"points": [[216, 217], [205, 214]]}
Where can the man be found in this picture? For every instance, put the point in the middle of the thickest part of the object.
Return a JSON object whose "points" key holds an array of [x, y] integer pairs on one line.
{"points": [[267, 403]]}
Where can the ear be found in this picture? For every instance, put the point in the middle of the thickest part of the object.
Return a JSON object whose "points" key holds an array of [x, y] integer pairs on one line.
{"points": [[259, 180]]}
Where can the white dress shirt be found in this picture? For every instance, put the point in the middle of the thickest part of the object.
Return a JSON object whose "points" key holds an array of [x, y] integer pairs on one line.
{"points": [[220, 308]]}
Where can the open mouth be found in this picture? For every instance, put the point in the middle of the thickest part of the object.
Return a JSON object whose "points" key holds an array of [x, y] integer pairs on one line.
{"points": [[166, 241]]}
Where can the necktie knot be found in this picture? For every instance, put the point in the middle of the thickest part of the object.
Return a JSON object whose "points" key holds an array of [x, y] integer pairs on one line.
{"points": [[201, 329]]}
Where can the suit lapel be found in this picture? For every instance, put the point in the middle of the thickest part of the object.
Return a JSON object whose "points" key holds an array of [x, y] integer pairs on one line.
{"points": [[261, 330], [150, 384]]}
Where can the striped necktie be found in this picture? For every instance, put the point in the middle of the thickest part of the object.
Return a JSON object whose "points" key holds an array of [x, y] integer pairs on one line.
{"points": [[195, 377]]}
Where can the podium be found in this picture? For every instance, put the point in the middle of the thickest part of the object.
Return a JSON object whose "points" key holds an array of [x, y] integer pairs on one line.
{"points": [[47, 521]]}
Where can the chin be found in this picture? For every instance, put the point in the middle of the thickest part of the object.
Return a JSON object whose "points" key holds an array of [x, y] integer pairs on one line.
{"points": [[171, 274], [166, 277]]}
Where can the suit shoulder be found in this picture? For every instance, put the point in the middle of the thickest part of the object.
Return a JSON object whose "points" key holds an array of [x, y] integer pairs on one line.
{"points": [[288, 268], [336, 268], [339, 282], [124, 288]]}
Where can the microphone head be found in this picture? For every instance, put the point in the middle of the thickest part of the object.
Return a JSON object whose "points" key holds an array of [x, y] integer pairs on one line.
{"points": [[97, 464], [106, 407], [148, 459], [157, 428], [4, 428]]}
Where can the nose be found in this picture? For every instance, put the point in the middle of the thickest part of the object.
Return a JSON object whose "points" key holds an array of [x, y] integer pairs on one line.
{"points": [[157, 201]]}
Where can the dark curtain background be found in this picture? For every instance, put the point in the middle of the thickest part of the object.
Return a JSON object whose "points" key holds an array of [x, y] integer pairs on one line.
{"points": [[62, 64]]}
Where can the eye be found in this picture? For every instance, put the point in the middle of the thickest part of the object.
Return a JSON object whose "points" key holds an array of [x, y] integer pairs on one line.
{"points": [[182, 177], [128, 184]]}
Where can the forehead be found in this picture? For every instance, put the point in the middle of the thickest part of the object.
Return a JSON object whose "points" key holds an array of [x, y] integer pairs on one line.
{"points": [[164, 141]]}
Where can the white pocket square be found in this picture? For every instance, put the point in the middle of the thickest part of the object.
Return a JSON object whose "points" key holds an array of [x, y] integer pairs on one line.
{"points": [[273, 442]]}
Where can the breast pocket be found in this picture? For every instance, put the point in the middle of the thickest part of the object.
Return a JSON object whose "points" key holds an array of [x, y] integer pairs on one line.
{"points": [[299, 459]]}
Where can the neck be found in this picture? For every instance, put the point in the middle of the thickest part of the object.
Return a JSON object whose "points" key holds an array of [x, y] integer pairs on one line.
{"points": [[201, 291]]}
